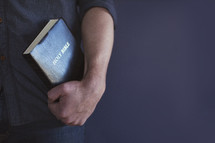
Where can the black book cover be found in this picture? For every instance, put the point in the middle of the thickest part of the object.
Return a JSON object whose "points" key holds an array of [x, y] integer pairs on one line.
{"points": [[54, 54]]}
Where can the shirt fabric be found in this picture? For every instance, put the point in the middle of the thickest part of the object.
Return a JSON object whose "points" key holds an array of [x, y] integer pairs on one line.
{"points": [[20, 22]]}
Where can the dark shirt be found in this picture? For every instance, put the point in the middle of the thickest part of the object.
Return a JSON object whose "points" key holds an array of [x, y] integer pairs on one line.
{"points": [[20, 22]]}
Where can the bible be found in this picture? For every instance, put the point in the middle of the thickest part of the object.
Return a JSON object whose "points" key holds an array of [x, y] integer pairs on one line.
{"points": [[55, 55]]}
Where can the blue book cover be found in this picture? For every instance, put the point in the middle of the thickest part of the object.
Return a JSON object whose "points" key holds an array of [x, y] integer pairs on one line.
{"points": [[55, 55]]}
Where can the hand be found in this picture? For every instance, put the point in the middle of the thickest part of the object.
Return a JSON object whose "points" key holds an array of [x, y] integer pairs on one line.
{"points": [[76, 101]]}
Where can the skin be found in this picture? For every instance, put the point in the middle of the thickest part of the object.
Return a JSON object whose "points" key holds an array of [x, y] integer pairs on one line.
{"points": [[78, 99]]}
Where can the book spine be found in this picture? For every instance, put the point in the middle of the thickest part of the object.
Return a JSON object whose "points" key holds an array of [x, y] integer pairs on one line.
{"points": [[38, 70]]}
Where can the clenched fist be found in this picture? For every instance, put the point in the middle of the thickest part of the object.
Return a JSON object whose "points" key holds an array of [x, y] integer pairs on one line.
{"points": [[73, 102]]}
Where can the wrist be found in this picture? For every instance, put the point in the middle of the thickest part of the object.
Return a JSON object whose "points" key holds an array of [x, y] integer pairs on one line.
{"points": [[95, 82]]}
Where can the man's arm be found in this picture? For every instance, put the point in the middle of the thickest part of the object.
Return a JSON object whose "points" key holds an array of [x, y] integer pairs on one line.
{"points": [[78, 99]]}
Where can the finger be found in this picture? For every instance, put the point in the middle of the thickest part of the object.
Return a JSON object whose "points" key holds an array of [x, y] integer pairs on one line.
{"points": [[54, 108], [76, 123], [79, 120], [69, 120], [54, 93]]}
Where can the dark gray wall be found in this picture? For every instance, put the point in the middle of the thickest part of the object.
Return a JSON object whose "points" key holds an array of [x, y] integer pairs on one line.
{"points": [[161, 78]]}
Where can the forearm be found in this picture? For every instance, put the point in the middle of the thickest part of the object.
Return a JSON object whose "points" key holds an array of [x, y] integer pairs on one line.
{"points": [[97, 35], [78, 99]]}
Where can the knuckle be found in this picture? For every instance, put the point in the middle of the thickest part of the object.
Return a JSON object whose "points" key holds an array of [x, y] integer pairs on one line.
{"points": [[65, 87], [79, 123], [73, 123], [67, 122], [70, 124]]}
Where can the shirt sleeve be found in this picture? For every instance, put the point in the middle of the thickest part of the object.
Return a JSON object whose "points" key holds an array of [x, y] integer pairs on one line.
{"points": [[85, 5]]}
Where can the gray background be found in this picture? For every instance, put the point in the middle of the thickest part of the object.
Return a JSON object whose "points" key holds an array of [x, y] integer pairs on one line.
{"points": [[161, 78]]}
